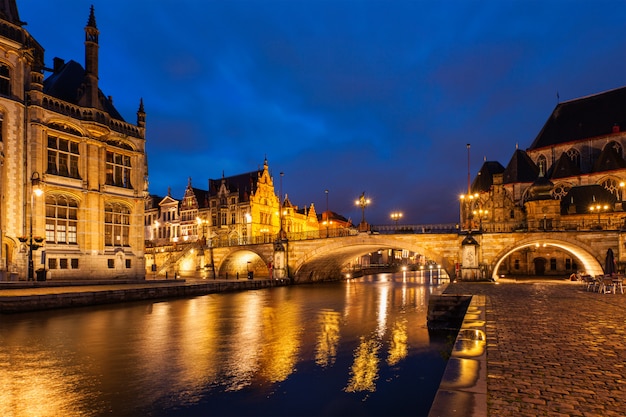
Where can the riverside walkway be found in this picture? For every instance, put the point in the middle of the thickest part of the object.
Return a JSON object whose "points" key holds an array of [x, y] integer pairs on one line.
{"points": [[553, 349], [22, 296]]}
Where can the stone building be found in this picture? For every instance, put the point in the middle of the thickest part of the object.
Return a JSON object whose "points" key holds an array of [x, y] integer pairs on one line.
{"points": [[572, 177], [73, 171], [236, 210]]}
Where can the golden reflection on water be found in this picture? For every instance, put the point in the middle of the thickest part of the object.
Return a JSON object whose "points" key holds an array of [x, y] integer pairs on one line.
{"points": [[327, 338], [122, 358], [42, 386], [281, 331], [398, 348], [364, 371]]}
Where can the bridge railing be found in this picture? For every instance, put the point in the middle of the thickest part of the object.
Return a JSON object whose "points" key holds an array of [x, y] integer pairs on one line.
{"points": [[416, 228]]}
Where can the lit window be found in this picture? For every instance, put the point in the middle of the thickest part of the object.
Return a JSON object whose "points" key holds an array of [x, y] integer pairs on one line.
{"points": [[62, 157], [118, 170], [61, 219], [116, 225]]}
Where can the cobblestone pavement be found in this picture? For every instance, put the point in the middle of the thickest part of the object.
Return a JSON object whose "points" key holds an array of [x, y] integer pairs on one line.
{"points": [[553, 349]]}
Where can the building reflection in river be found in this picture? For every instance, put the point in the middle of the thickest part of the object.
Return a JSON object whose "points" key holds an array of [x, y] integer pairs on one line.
{"points": [[192, 354]]}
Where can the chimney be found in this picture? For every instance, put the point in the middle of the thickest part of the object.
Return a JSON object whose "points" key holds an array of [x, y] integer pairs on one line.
{"points": [[58, 64], [616, 128]]}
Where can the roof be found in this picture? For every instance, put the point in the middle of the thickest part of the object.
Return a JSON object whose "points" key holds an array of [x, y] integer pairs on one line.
{"points": [[582, 118], [66, 82], [202, 197], [583, 196], [484, 179], [245, 184], [610, 158], [520, 169], [564, 168], [8, 12]]}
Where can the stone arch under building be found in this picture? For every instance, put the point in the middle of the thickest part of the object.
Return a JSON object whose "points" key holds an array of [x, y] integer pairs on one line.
{"points": [[588, 261]]}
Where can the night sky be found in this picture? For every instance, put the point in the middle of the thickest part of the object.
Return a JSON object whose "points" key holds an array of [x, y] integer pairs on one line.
{"points": [[345, 96]]}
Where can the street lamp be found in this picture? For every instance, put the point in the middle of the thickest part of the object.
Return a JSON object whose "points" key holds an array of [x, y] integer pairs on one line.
{"points": [[363, 202], [395, 216], [482, 214], [598, 208], [36, 190], [327, 221]]}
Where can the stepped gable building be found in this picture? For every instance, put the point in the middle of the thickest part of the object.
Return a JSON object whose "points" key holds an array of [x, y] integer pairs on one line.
{"points": [[62, 137], [235, 210], [572, 177]]}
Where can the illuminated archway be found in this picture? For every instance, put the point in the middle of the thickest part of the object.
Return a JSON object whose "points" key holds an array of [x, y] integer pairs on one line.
{"points": [[590, 264]]}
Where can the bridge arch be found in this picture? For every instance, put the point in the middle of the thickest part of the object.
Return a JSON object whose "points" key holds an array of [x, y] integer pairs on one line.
{"points": [[581, 251], [327, 261], [241, 260]]}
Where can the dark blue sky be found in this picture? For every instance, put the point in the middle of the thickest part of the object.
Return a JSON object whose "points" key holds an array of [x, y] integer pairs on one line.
{"points": [[349, 96]]}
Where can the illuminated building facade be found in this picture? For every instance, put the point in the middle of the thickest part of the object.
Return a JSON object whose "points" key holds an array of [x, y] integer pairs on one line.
{"points": [[571, 178], [61, 135], [235, 210]]}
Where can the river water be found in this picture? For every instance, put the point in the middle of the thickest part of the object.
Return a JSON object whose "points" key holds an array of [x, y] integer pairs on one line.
{"points": [[353, 348]]}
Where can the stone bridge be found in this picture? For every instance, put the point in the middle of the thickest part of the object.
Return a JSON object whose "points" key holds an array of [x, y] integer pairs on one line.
{"points": [[327, 258]]}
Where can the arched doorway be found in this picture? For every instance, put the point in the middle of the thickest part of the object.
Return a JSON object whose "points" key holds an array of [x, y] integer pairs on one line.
{"points": [[540, 266]]}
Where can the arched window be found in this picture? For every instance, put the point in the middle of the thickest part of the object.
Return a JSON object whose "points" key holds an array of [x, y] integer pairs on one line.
{"points": [[542, 164], [574, 156], [61, 219], [560, 190], [617, 148], [612, 185], [116, 225]]}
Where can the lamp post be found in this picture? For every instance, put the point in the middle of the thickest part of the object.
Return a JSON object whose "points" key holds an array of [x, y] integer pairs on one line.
{"points": [[363, 202], [36, 190], [395, 216], [598, 208], [481, 214], [326, 222]]}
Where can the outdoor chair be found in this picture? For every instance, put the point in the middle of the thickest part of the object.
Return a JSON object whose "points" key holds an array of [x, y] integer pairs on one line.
{"points": [[618, 284], [590, 282], [607, 286]]}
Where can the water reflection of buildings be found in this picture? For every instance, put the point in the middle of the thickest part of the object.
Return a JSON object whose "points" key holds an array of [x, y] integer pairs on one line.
{"points": [[327, 338]]}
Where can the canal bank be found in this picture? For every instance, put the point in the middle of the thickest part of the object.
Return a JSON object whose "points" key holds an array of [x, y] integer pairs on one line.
{"points": [[552, 348], [23, 296]]}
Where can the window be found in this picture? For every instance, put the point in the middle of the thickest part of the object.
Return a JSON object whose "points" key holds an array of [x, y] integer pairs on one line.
{"points": [[52, 263], [612, 186], [116, 225], [61, 219], [5, 80], [63, 263], [74, 263], [118, 169], [516, 264], [233, 218], [128, 264], [62, 157], [574, 156], [553, 264], [542, 164], [111, 263]]}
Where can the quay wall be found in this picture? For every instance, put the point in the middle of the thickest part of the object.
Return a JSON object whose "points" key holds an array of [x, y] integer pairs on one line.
{"points": [[89, 296]]}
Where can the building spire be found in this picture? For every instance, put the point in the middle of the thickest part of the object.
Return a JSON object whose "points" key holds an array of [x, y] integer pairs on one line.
{"points": [[8, 12], [141, 114], [90, 95]]}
